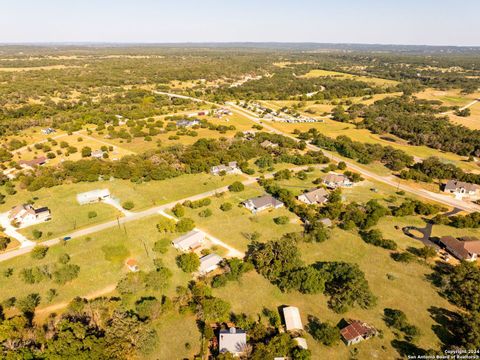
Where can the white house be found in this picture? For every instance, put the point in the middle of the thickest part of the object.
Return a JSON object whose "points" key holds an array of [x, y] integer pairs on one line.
{"points": [[231, 168], [93, 196], [316, 196], [190, 241], [232, 340], [462, 189], [262, 203], [334, 181], [293, 321], [25, 215], [208, 263]]}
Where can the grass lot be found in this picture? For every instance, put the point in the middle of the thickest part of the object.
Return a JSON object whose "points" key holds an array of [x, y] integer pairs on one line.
{"points": [[443, 230], [230, 226], [96, 272], [31, 135], [452, 97], [376, 263], [333, 129], [472, 121], [68, 215], [341, 75]]}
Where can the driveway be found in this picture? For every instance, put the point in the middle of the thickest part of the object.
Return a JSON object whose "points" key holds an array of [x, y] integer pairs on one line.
{"points": [[12, 232]]}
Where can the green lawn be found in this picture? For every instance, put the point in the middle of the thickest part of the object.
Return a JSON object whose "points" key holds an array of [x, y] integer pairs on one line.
{"points": [[408, 291], [96, 272], [68, 215]]}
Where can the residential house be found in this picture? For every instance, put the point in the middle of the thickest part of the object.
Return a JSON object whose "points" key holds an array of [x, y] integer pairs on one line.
{"points": [[262, 203], [232, 340], [333, 181], [93, 196], [30, 164], [268, 144], [357, 331], [316, 196], [293, 321], [462, 189], [25, 215], [190, 241], [464, 248], [97, 154], [208, 263], [132, 265], [231, 168], [48, 131], [187, 123]]}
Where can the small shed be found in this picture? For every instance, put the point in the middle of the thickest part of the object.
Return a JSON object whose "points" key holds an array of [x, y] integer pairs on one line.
{"points": [[132, 265], [293, 321]]}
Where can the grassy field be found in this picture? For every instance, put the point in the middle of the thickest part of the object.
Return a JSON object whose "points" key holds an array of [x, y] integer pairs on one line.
{"points": [[68, 215], [333, 129], [472, 121], [376, 263], [230, 226], [96, 272], [452, 97], [341, 75]]}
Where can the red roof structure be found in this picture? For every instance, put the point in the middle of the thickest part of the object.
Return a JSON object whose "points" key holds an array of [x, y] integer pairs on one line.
{"points": [[357, 331]]}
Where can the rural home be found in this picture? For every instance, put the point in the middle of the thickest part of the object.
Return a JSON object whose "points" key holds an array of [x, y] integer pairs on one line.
{"points": [[357, 331], [316, 196], [190, 241], [461, 189], [231, 168], [268, 144], [48, 131], [26, 214], [187, 123], [334, 181], [132, 265], [30, 164], [97, 154], [464, 248], [293, 321], [208, 263], [262, 203], [93, 196], [232, 340]]}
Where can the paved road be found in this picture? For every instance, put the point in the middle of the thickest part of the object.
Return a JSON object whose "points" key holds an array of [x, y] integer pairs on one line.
{"points": [[389, 180]]}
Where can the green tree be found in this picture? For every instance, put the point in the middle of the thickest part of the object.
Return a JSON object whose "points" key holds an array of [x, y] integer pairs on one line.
{"points": [[188, 262]]}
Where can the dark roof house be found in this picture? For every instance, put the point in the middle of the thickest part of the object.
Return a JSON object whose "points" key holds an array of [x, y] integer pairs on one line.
{"points": [[465, 248]]}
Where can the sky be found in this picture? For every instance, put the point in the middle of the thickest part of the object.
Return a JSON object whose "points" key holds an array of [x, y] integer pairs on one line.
{"points": [[419, 22]]}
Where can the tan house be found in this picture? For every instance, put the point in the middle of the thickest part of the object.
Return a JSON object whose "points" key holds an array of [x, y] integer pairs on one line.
{"points": [[25, 215], [333, 181], [462, 189], [464, 248], [316, 196]]}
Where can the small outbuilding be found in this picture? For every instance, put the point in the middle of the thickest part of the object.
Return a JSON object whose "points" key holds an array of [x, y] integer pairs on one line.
{"points": [[208, 263], [293, 321], [93, 196], [357, 331], [132, 265], [232, 340]]}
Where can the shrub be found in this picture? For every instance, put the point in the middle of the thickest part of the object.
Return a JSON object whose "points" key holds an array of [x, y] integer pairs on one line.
{"points": [[226, 206], [128, 205], [205, 213], [4, 241], [323, 332], [39, 252], [185, 225], [37, 234], [281, 220], [404, 257], [178, 210], [237, 186], [66, 273], [92, 214], [188, 262], [375, 237], [161, 246], [64, 259]]}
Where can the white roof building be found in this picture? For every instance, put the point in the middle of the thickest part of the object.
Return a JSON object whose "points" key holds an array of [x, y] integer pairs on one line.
{"points": [[232, 340], [293, 321], [93, 196], [209, 263], [189, 241]]}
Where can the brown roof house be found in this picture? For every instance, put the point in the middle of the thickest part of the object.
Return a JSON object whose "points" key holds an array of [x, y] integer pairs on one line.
{"points": [[26, 215], [462, 189], [357, 331], [30, 164], [232, 340], [315, 196], [333, 181], [465, 248], [262, 203]]}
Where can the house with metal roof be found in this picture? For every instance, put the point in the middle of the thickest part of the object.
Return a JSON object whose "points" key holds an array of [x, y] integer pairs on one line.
{"points": [[93, 196], [26, 214], [190, 241], [356, 331], [208, 263]]}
